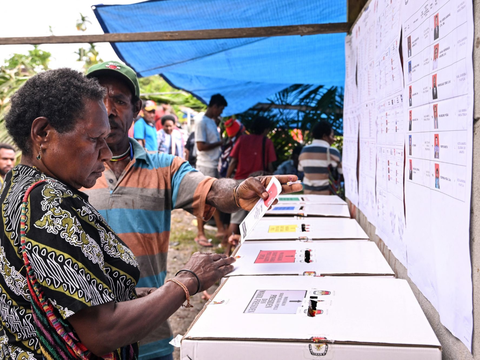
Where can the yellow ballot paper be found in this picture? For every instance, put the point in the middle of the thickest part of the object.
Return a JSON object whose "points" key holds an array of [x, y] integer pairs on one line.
{"points": [[282, 228]]}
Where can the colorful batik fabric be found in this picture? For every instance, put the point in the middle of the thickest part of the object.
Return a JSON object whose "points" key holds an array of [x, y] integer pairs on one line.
{"points": [[77, 259]]}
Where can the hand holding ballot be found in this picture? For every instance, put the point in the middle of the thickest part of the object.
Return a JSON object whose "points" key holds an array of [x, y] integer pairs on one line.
{"points": [[250, 190]]}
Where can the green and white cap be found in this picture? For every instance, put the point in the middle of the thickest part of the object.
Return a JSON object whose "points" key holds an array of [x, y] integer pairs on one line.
{"points": [[119, 68]]}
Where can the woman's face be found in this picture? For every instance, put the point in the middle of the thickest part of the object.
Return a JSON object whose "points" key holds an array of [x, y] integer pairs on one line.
{"points": [[168, 127], [76, 157]]}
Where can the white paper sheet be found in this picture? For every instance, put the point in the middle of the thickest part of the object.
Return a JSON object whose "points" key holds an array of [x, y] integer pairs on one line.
{"points": [[274, 189], [439, 155], [423, 157], [327, 210]]}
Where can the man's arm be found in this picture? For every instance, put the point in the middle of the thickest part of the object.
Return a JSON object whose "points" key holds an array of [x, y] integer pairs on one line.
{"points": [[203, 146], [231, 167], [222, 196], [141, 142]]}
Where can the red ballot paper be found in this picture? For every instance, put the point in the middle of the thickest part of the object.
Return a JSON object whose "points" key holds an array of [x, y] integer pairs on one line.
{"points": [[275, 256], [273, 192]]}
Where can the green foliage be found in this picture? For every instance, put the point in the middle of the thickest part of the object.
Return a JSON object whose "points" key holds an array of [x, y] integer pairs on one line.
{"points": [[18, 69], [90, 55], [298, 107], [36, 60], [157, 89]]}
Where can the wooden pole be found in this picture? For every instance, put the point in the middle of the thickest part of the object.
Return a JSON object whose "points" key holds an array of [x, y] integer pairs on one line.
{"points": [[354, 7], [267, 31]]}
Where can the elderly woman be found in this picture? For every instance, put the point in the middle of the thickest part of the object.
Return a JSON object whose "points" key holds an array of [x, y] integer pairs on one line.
{"points": [[67, 281]]}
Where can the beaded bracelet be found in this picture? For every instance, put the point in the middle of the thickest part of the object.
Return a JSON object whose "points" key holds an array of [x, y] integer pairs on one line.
{"points": [[235, 196], [199, 285], [187, 294]]}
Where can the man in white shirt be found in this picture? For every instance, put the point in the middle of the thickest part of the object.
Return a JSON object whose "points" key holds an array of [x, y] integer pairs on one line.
{"points": [[208, 143]]}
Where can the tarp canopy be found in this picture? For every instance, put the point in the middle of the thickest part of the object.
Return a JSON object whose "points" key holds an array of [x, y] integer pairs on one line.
{"points": [[245, 71]]}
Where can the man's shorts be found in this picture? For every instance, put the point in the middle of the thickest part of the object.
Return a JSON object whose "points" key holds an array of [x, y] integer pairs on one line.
{"points": [[207, 171]]}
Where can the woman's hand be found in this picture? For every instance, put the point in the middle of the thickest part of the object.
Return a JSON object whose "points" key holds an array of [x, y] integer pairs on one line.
{"points": [[252, 189], [208, 267]]}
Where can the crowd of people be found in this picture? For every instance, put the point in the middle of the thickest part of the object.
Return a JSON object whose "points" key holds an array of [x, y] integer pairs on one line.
{"points": [[239, 154], [86, 212]]}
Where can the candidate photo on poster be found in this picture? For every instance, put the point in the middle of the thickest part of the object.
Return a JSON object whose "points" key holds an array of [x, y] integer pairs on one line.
{"points": [[437, 176], [410, 172], [410, 120], [410, 95], [409, 46], [435, 57], [434, 87], [435, 116], [410, 145], [410, 71], [436, 147], [436, 27]]}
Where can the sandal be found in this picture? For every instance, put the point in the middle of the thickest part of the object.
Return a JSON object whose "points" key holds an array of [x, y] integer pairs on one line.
{"points": [[204, 242]]}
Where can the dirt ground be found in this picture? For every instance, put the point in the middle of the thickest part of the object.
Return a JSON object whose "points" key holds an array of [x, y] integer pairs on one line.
{"points": [[182, 246]]}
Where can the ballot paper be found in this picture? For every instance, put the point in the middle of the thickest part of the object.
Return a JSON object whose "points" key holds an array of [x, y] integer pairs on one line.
{"points": [[329, 210], [295, 228], [311, 258], [310, 199], [274, 189]]}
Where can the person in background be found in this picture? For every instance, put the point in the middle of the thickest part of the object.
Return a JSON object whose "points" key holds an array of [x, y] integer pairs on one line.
{"points": [[319, 159], [234, 130], [138, 191], [144, 128], [291, 166], [208, 143], [7, 160], [251, 154], [191, 150], [68, 283], [169, 138]]}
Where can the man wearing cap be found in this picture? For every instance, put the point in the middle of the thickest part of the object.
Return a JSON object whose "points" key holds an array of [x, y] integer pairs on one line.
{"points": [[138, 190], [144, 129], [234, 130]]}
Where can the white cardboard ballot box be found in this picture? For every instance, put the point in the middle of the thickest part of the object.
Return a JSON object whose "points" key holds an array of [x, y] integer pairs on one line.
{"points": [[314, 258], [311, 199], [294, 228], [328, 210], [301, 317]]}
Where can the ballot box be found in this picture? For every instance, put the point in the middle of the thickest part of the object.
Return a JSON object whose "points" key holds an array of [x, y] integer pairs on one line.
{"points": [[298, 228], [311, 199], [313, 258], [327, 210], [301, 317]]}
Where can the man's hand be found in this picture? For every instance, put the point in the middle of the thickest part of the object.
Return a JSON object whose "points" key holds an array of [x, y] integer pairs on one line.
{"points": [[254, 188]]}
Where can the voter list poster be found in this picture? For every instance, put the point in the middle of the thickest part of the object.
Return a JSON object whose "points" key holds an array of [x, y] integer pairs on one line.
{"points": [[390, 127], [350, 124], [438, 75]]}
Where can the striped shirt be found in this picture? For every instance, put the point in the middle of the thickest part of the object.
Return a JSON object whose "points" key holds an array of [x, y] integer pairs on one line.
{"points": [[138, 207], [313, 161]]}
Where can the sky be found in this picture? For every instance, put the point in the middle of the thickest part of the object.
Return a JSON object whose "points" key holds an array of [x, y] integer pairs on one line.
{"points": [[35, 17]]}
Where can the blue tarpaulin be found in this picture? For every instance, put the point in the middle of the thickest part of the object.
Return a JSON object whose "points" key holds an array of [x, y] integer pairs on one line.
{"points": [[246, 71]]}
